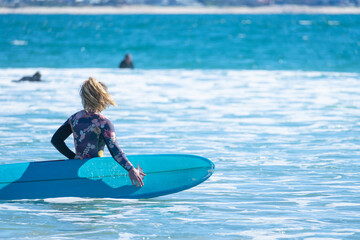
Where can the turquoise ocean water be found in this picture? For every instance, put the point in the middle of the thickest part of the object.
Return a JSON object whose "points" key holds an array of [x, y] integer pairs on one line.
{"points": [[261, 42], [272, 100]]}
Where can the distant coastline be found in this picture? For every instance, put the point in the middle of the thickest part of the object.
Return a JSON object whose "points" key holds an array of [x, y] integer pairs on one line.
{"points": [[144, 9]]}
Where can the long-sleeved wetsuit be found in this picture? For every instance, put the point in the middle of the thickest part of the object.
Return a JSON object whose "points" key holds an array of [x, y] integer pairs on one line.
{"points": [[91, 132]]}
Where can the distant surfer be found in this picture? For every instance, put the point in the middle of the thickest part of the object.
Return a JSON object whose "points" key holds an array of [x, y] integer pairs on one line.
{"points": [[92, 131], [35, 78], [127, 62]]}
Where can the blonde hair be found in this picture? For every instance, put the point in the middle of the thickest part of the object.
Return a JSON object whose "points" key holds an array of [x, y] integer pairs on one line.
{"points": [[94, 96]]}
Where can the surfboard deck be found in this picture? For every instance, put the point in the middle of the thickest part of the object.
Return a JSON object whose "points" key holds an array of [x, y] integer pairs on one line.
{"points": [[102, 177]]}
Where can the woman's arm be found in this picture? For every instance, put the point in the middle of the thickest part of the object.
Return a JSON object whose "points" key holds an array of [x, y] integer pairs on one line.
{"points": [[108, 132], [58, 140]]}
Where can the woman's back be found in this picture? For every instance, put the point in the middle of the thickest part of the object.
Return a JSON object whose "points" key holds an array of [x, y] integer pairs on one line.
{"points": [[88, 137]]}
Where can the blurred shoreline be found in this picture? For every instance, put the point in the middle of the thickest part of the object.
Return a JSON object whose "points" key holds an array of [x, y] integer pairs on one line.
{"points": [[144, 9]]}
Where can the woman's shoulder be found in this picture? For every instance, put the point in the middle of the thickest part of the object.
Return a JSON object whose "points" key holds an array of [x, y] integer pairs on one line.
{"points": [[105, 122], [78, 115], [82, 115]]}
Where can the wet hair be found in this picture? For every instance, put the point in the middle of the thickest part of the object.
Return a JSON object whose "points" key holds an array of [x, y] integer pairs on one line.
{"points": [[94, 96]]}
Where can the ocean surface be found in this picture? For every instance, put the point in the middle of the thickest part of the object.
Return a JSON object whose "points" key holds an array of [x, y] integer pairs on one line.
{"points": [[272, 100], [259, 42]]}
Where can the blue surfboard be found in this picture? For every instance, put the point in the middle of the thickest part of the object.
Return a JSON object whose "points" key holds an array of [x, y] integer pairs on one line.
{"points": [[102, 177]]}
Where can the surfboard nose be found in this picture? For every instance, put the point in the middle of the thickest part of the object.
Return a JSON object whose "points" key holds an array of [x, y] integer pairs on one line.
{"points": [[212, 166]]}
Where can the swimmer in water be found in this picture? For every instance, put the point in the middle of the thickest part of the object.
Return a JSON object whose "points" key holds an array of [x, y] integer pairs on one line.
{"points": [[35, 78], [127, 62]]}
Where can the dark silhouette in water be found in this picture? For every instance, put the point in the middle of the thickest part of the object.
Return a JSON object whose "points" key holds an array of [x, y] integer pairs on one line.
{"points": [[126, 62], [35, 78]]}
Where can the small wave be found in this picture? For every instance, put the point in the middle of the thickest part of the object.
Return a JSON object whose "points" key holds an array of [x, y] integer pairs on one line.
{"points": [[333, 23], [305, 22], [68, 200], [19, 43], [343, 204]]}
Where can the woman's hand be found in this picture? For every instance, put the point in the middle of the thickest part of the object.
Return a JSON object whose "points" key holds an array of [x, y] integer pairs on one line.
{"points": [[136, 176]]}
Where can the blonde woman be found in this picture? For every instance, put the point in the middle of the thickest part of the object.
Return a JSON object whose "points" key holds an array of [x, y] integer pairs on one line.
{"points": [[92, 130]]}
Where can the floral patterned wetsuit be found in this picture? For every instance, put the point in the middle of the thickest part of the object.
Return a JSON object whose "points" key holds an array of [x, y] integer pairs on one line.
{"points": [[91, 132]]}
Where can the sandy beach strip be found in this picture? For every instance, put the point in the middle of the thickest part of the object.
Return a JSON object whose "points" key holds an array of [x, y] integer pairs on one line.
{"points": [[286, 9]]}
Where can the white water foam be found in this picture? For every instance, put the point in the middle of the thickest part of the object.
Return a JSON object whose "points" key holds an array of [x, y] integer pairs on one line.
{"points": [[285, 145]]}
